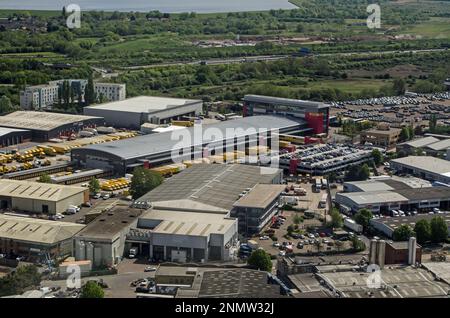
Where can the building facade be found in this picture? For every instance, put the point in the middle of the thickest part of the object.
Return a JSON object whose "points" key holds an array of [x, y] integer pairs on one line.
{"points": [[110, 91], [38, 97], [315, 114]]}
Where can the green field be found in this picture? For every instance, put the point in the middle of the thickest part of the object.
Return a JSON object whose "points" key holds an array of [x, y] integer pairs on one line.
{"points": [[433, 28]]}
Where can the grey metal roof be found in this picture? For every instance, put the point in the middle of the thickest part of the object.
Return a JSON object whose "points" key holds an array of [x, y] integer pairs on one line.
{"points": [[426, 163], [285, 102], [440, 145], [44, 121], [145, 104], [215, 185], [147, 145], [5, 131], [420, 142]]}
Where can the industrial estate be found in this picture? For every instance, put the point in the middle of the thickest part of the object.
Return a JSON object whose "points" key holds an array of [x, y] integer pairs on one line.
{"points": [[162, 196]]}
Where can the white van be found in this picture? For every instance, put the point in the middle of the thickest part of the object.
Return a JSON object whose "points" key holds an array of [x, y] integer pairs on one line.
{"points": [[71, 210]]}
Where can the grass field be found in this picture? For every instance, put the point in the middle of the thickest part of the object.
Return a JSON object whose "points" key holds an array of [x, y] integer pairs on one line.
{"points": [[349, 86], [433, 28]]}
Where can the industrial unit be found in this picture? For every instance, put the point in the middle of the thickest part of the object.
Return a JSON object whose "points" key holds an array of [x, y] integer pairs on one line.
{"points": [[388, 225], [425, 167], [190, 214], [315, 115], [257, 207], [11, 136], [133, 112], [35, 197], [124, 155], [383, 201], [31, 238], [45, 126], [181, 236], [103, 240]]}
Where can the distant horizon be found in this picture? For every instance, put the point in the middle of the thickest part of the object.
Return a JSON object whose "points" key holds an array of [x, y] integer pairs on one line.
{"points": [[167, 6]]}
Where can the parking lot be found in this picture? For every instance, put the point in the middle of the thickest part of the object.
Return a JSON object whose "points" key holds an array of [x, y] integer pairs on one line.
{"points": [[302, 241], [396, 109]]}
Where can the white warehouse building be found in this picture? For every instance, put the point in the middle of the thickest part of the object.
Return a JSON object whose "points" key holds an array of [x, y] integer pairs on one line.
{"points": [[133, 112]]}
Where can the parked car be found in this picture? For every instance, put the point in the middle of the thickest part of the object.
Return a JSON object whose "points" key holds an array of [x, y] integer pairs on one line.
{"points": [[150, 269], [276, 244], [264, 238], [97, 196]]}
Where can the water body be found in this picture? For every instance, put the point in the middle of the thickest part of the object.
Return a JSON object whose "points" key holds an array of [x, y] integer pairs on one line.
{"points": [[168, 6]]}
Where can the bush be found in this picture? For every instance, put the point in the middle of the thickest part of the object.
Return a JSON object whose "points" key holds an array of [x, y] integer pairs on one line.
{"points": [[274, 238]]}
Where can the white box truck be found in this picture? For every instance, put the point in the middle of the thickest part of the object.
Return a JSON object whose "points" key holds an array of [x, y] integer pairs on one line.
{"points": [[352, 225]]}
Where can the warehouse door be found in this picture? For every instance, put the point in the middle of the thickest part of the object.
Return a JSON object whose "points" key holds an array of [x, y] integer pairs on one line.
{"points": [[44, 208]]}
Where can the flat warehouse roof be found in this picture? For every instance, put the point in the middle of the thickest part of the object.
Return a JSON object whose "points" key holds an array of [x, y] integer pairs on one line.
{"points": [[145, 104], [110, 223], [373, 197], [427, 163], [41, 120], [394, 222], [189, 223], [285, 101], [147, 145], [210, 188], [36, 230], [420, 142], [260, 196], [37, 191]]}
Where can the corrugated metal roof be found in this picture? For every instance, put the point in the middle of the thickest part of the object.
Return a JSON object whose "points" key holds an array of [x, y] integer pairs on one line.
{"points": [[147, 145], [35, 230], [213, 185], [37, 191], [285, 102]]}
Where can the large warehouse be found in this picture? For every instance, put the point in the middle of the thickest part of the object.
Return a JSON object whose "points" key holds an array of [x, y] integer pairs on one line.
{"points": [[11, 136], [45, 126], [35, 197], [189, 219], [133, 112], [315, 114], [405, 199], [425, 167], [122, 156], [30, 237]]}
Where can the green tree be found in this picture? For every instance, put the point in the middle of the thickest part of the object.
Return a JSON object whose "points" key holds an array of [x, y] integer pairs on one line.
{"points": [[143, 181], [357, 244], [433, 123], [20, 280], [358, 173], [399, 86], [259, 259], [403, 233], [94, 185], [423, 231], [92, 290], [5, 105], [439, 229], [404, 134], [363, 217], [377, 156], [89, 94], [297, 219], [45, 178], [336, 218]]}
